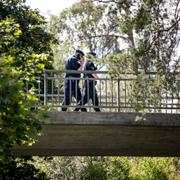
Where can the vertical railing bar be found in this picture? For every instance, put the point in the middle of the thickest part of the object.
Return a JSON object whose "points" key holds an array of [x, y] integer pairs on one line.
{"points": [[118, 95], [106, 92], [45, 88], [70, 90], [132, 104], [58, 93], [94, 93], [148, 105], [178, 95], [125, 93], [111, 94], [76, 89], [82, 87], [100, 92], [52, 91], [88, 93], [172, 102], [166, 100], [129, 96]]}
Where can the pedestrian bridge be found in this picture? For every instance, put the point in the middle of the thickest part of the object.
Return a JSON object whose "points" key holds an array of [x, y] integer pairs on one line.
{"points": [[130, 123]]}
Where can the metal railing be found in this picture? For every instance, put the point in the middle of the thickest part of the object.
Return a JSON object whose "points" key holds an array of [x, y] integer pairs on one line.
{"points": [[114, 94]]}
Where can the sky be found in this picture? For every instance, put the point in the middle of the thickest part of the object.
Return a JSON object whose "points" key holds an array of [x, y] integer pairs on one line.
{"points": [[54, 6]]}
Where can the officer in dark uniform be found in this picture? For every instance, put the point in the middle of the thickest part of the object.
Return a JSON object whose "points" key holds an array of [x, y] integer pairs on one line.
{"points": [[71, 88], [89, 88]]}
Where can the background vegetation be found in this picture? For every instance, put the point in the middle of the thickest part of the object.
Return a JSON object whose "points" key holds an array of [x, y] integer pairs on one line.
{"points": [[110, 168], [24, 53], [129, 37]]}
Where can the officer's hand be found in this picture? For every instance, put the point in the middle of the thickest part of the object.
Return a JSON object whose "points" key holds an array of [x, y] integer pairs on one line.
{"points": [[82, 60]]}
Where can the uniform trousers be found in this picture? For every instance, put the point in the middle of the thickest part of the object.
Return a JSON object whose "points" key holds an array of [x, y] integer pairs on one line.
{"points": [[89, 93], [72, 89]]}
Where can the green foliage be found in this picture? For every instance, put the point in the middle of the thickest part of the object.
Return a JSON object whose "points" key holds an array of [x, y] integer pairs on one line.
{"points": [[145, 29], [58, 168], [24, 52], [142, 19], [152, 168], [93, 172], [61, 53], [78, 26], [126, 25], [93, 168], [119, 168], [19, 20], [20, 169], [113, 168], [120, 63], [135, 37], [16, 120]]}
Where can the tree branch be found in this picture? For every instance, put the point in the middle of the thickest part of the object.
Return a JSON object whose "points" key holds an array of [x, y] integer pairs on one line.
{"points": [[104, 35], [171, 27]]}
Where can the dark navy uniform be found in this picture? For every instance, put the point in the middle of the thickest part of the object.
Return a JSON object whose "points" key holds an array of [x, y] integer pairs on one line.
{"points": [[89, 89], [72, 88]]}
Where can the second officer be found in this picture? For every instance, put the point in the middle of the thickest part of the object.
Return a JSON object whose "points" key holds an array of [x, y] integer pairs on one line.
{"points": [[89, 88]]}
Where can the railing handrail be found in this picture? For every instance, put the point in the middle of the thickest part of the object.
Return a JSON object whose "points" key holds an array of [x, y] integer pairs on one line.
{"points": [[74, 71], [115, 92], [102, 72]]}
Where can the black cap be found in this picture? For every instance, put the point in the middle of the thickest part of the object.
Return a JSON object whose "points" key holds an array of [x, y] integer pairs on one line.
{"points": [[79, 52], [92, 53]]}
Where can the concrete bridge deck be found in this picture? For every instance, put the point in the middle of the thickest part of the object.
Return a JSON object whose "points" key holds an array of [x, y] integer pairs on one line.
{"points": [[107, 133]]}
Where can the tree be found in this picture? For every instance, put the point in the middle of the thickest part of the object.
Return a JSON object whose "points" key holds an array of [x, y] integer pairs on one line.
{"points": [[152, 168], [115, 168], [20, 169], [131, 37], [25, 50], [145, 27]]}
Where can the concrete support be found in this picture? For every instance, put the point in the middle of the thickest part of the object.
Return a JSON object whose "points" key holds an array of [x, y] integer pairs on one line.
{"points": [[96, 134]]}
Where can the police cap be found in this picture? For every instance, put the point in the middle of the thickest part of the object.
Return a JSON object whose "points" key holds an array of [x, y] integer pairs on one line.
{"points": [[79, 52]]}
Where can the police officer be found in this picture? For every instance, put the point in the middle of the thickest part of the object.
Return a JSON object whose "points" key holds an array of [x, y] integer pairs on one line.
{"points": [[72, 82], [89, 88]]}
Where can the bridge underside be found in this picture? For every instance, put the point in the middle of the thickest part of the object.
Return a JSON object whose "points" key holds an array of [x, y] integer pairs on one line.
{"points": [[107, 134]]}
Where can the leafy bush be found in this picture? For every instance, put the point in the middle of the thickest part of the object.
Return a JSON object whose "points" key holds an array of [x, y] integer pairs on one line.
{"points": [[20, 169], [148, 168], [93, 172]]}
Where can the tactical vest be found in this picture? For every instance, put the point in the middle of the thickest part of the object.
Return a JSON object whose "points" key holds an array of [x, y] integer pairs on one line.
{"points": [[69, 66], [87, 69]]}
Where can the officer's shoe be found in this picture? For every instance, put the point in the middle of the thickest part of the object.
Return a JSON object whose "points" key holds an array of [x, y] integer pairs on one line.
{"points": [[83, 109], [76, 109]]}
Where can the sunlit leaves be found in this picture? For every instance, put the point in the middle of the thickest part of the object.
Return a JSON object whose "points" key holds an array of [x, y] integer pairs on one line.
{"points": [[25, 50], [114, 168], [9, 32]]}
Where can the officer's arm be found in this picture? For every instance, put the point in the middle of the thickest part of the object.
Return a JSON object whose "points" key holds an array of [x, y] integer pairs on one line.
{"points": [[93, 68], [75, 64]]}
